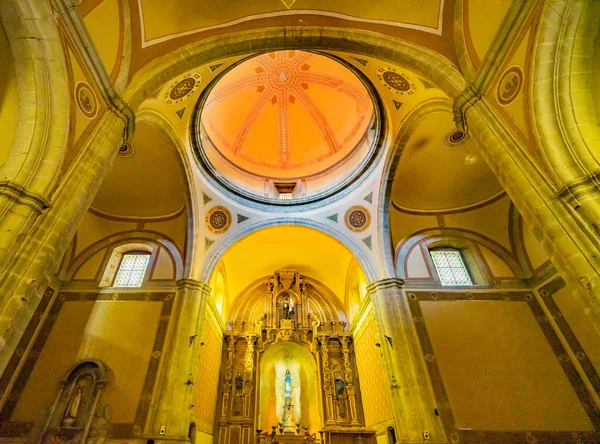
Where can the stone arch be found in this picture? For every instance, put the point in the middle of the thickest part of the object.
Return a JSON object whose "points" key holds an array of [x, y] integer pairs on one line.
{"points": [[43, 123], [210, 263], [388, 173], [128, 238], [566, 123], [192, 254], [30, 173], [447, 235]]}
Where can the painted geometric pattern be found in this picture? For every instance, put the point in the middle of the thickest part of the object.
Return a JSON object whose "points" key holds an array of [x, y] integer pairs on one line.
{"points": [[376, 402], [285, 80], [132, 270], [207, 377], [450, 267]]}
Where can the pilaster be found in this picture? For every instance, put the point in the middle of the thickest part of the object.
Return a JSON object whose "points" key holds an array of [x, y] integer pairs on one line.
{"points": [[173, 400], [413, 402]]}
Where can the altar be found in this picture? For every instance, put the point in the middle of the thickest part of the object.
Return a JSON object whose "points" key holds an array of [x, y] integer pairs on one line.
{"points": [[289, 368]]}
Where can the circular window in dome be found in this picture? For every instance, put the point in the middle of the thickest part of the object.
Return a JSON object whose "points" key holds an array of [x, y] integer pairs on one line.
{"points": [[287, 125]]}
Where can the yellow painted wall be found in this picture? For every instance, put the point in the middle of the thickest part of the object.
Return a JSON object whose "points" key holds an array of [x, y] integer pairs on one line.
{"points": [[579, 323], [56, 358], [103, 26], [373, 387], [119, 333], [485, 18], [164, 268], [498, 370], [89, 269], [207, 376], [9, 97]]}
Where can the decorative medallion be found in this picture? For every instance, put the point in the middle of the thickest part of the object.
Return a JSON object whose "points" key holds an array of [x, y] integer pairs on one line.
{"points": [[86, 100], [183, 89], [218, 219], [455, 139], [510, 85], [126, 150], [357, 218], [395, 81]]}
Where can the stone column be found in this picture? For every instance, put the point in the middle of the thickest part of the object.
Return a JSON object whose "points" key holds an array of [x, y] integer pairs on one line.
{"points": [[561, 231], [412, 397], [31, 171], [26, 277], [173, 398]]}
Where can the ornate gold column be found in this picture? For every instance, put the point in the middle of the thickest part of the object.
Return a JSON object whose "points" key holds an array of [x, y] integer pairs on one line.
{"points": [[349, 379], [173, 398], [327, 383], [412, 397]]}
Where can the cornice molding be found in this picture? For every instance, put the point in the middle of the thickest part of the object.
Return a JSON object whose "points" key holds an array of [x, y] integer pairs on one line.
{"points": [[86, 50], [384, 284], [581, 187], [19, 193], [193, 284]]}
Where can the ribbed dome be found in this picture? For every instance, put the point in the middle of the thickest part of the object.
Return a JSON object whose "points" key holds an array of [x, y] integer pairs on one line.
{"points": [[287, 114]]}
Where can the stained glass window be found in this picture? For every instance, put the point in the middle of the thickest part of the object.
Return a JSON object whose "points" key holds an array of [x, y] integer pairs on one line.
{"points": [[450, 267], [132, 270]]}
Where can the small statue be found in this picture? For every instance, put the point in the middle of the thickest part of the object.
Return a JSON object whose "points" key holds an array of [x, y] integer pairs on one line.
{"points": [[71, 413], [239, 383], [339, 386]]}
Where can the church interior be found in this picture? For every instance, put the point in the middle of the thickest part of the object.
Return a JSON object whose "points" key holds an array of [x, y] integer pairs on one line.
{"points": [[299, 222]]}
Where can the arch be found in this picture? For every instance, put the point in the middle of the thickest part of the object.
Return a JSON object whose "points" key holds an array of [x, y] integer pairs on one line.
{"points": [[389, 171], [567, 126], [328, 307], [43, 123], [273, 364], [211, 263], [404, 248], [356, 289], [128, 238], [426, 62], [192, 255], [97, 365]]}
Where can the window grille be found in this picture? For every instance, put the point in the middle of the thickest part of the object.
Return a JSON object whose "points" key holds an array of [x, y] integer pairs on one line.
{"points": [[450, 267], [132, 269]]}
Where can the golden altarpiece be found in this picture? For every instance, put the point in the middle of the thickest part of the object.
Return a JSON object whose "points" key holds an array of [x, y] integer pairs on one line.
{"points": [[288, 366]]}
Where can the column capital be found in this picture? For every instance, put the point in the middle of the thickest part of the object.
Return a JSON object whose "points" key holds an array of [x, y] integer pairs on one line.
{"points": [[193, 284], [19, 193], [462, 102], [382, 284]]}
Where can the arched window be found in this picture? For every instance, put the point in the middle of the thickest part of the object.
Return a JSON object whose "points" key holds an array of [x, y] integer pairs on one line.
{"points": [[450, 267], [132, 269]]}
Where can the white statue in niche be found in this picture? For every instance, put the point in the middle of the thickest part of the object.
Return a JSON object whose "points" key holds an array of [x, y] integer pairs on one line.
{"points": [[287, 418], [287, 389], [71, 414]]}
